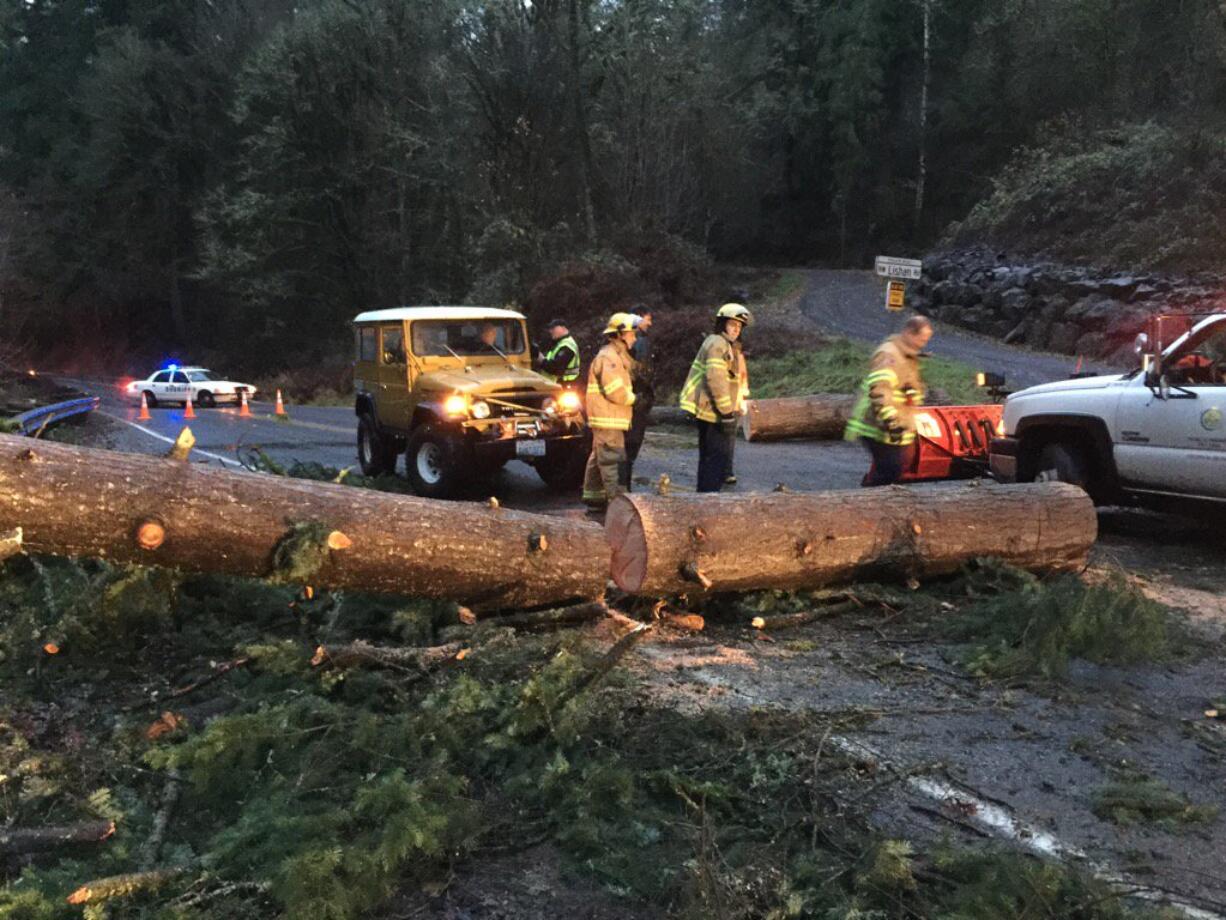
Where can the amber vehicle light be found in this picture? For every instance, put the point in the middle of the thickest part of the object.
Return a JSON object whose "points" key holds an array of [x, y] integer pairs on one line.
{"points": [[456, 405]]}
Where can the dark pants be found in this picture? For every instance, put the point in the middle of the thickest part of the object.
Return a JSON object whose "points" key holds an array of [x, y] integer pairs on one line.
{"points": [[712, 456], [890, 461], [634, 438], [730, 472]]}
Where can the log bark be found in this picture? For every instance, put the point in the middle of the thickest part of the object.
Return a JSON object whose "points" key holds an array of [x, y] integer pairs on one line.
{"points": [[75, 501], [19, 841], [821, 416], [364, 655], [798, 541], [818, 417], [551, 619], [801, 617]]}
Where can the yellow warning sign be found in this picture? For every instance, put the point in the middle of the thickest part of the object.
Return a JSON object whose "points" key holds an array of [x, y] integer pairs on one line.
{"points": [[895, 295]]}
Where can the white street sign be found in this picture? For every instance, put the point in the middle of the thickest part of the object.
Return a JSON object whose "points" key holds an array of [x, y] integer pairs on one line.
{"points": [[891, 267]]}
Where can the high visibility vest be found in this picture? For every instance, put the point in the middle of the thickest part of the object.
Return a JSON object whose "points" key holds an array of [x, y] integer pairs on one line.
{"points": [[713, 381], [571, 372], [888, 397]]}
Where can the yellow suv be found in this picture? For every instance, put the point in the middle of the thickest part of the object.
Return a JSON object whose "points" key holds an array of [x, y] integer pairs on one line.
{"points": [[453, 389]]}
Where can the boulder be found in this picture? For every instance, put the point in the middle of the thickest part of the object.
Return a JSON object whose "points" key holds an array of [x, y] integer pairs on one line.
{"points": [[1092, 313], [1127, 322], [1120, 288], [1063, 337], [1013, 303], [969, 295], [1092, 345]]}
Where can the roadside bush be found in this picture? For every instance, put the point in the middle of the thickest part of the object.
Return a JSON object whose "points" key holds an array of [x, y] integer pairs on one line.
{"points": [[1138, 195]]}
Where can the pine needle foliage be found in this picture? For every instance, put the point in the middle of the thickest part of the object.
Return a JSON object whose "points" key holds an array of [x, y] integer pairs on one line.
{"points": [[318, 794], [1022, 626], [1142, 800]]}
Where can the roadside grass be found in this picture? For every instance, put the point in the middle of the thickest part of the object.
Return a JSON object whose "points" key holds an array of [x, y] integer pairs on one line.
{"points": [[1142, 800], [840, 365], [1020, 626], [318, 792]]}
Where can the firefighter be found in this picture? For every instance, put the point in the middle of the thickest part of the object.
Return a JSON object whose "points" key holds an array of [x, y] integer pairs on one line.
{"points": [[883, 417], [742, 406], [710, 394], [610, 398], [561, 363], [644, 391]]}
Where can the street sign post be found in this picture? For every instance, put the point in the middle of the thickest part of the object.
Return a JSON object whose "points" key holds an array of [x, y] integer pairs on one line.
{"points": [[892, 267], [895, 295]]}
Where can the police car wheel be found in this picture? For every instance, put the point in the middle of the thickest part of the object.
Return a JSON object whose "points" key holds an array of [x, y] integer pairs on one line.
{"points": [[150, 400], [206, 399], [430, 461]]}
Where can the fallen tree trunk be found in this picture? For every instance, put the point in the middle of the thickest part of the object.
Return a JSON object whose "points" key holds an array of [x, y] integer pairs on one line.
{"points": [[818, 417], [821, 416], [718, 543], [75, 501], [18, 841]]}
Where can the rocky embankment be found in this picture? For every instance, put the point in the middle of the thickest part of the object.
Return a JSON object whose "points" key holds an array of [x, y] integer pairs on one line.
{"points": [[1066, 309]]}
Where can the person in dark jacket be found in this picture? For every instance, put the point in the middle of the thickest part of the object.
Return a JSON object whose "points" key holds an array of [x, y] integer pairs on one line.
{"points": [[644, 390]]}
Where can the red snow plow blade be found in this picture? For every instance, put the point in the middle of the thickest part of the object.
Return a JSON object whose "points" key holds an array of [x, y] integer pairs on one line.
{"points": [[952, 442]]}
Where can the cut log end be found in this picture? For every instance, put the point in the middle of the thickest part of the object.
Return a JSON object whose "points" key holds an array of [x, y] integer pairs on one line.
{"points": [[628, 540], [150, 535]]}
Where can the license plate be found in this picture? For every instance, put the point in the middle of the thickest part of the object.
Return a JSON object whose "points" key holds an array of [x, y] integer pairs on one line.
{"points": [[529, 448]]}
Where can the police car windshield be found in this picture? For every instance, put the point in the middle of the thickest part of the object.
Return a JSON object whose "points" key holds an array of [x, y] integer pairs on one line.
{"points": [[467, 338], [199, 376]]}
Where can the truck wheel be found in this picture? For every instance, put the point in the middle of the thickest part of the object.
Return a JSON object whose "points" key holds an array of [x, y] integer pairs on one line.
{"points": [[431, 462], [376, 451], [564, 463], [1062, 463]]}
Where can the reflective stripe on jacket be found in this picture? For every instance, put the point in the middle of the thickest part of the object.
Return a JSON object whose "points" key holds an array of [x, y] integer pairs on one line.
{"points": [[712, 386], [570, 372], [609, 392], [888, 396]]}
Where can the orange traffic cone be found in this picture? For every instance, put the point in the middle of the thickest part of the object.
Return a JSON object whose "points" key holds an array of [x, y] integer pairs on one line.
{"points": [[188, 411], [144, 415], [280, 409], [244, 410]]}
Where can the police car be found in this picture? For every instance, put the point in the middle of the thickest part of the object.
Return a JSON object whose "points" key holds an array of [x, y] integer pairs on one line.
{"points": [[171, 384]]}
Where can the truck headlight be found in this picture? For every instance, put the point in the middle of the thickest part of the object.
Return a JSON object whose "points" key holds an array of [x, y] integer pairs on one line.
{"points": [[569, 401], [480, 409], [988, 379], [455, 406]]}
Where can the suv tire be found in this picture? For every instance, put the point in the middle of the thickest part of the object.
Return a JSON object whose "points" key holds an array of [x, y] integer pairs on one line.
{"points": [[430, 462], [564, 464], [1060, 462], [376, 451]]}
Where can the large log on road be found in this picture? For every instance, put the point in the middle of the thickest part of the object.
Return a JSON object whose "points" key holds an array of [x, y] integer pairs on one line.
{"points": [[75, 501], [820, 416], [687, 543]]}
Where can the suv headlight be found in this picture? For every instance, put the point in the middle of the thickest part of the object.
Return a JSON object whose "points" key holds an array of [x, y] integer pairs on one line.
{"points": [[480, 409], [455, 405]]}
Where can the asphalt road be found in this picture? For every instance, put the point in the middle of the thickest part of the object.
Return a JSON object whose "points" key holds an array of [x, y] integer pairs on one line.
{"points": [[845, 302], [851, 304]]}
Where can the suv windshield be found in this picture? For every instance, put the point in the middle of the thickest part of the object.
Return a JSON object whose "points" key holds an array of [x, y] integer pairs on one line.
{"points": [[433, 337], [199, 376]]}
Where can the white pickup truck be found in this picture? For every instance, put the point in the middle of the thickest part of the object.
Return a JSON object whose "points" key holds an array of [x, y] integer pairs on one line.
{"points": [[1156, 435]]}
